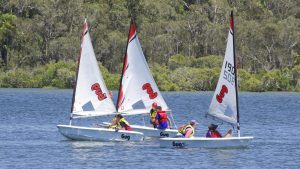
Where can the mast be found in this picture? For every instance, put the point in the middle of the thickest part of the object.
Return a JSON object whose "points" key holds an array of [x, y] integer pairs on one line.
{"points": [[120, 94], [235, 77], [77, 70]]}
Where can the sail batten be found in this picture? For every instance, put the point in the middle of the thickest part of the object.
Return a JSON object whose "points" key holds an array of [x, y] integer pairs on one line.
{"points": [[224, 118], [90, 85], [137, 83]]}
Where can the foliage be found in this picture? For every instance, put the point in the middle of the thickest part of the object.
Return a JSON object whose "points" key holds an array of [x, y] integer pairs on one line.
{"points": [[195, 79], [161, 75], [184, 41], [249, 82], [112, 80], [178, 61], [276, 80], [211, 61], [16, 79]]}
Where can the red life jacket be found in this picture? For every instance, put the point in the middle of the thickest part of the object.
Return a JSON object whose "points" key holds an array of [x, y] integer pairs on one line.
{"points": [[128, 128], [163, 117], [215, 134]]}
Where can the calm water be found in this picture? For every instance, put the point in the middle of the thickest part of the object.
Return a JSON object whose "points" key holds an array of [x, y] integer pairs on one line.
{"points": [[29, 137]]}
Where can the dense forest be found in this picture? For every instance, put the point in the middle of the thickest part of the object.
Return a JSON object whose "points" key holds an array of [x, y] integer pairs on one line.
{"points": [[183, 40]]}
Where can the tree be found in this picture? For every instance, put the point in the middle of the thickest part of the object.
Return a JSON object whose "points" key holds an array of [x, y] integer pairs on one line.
{"points": [[7, 29]]}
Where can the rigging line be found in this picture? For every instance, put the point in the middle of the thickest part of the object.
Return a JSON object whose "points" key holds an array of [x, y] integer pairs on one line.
{"points": [[171, 114], [144, 120]]}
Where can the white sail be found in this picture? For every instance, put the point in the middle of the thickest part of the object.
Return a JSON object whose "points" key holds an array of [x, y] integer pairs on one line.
{"points": [[90, 86], [223, 105], [137, 83]]}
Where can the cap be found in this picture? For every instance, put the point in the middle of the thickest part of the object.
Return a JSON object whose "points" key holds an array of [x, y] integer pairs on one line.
{"points": [[192, 122], [154, 104], [213, 126], [119, 116]]}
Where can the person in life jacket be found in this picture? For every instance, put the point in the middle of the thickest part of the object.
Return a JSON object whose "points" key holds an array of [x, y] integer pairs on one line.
{"points": [[121, 123], [214, 133], [161, 118], [153, 114], [187, 130]]}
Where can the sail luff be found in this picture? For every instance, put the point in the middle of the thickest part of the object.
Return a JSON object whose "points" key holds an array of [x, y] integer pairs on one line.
{"points": [[224, 105], [125, 61], [91, 90], [235, 72], [77, 70]]}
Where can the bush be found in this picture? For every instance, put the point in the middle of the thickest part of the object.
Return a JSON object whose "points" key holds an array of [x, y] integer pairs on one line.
{"points": [[112, 81], [161, 76], [64, 78], [248, 82], [194, 79], [16, 79], [60, 75], [178, 61], [211, 61], [296, 76], [276, 80]]}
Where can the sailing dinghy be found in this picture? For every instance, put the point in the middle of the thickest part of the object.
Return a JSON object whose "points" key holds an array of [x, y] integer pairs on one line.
{"points": [[138, 88], [91, 89], [223, 107]]}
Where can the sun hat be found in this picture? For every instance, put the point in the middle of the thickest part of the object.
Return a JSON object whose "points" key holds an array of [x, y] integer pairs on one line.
{"points": [[192, 122]]}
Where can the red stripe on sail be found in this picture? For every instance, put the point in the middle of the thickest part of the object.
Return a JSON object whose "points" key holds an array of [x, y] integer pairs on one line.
{"points": [[121, 89], [125, 64], [131, 30], [84, 29], [82, 37], [120, 97], [231, 22]]}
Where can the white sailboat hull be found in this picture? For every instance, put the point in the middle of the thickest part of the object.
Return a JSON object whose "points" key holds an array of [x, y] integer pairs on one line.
{"points": [[152, 132], [98, 134], [203, 142]]}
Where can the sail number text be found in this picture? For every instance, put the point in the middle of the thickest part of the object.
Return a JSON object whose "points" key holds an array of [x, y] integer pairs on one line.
{"points": [[98, 91], [229, 73], [150, 92]]}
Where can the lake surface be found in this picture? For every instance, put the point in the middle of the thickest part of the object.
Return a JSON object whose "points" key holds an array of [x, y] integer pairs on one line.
{"points": [[29, 137]]}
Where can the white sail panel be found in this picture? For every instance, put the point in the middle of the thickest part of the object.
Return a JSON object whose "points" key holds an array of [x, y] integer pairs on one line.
{"points": [[90, 84], [224, 98], [137, 82]]}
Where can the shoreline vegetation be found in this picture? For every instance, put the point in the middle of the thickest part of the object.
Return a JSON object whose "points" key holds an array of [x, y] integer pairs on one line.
{"points": [[183, 41], [181, 75]]}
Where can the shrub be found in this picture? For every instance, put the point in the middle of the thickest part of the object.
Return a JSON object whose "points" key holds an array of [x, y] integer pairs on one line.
{"points": [[161, 76], [16, 79], [248, 82], [211, 61], [178, 61], [276, 80]]}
